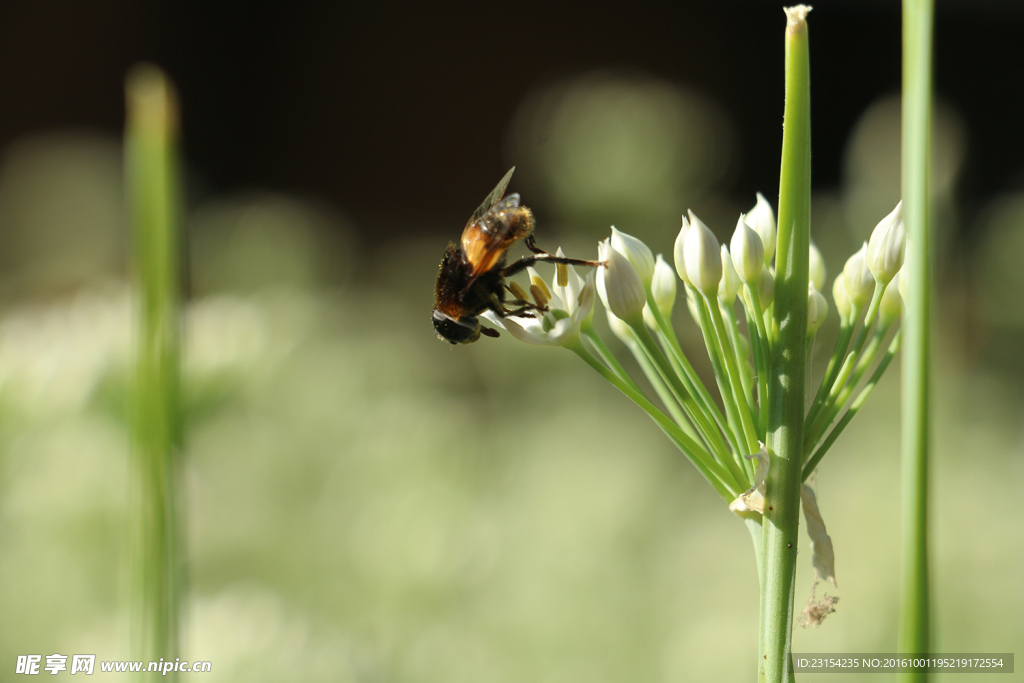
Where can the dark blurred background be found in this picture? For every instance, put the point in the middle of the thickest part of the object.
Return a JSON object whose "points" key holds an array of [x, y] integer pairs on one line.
{"points": [[397, 109], [363, 503]]}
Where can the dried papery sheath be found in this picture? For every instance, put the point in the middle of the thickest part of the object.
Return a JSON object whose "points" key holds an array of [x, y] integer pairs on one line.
{"points": [[619, 284], [747, 251], [816, 268], [762, 219], [636, 251], [822, 556], [752, 500], [887, 246], [859, 281], [703, 260]]}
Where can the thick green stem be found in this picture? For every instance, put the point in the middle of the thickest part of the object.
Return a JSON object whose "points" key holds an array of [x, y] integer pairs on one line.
{"points": [[786, 418], [154, 209], [918, 18]]}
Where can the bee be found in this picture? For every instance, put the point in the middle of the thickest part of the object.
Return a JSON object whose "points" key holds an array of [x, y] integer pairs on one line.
{"points": [[472, 275]]}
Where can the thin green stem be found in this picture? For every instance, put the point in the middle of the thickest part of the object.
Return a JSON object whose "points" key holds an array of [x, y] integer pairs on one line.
{"points": [[156, 426], [716, 354], [704, 425], [746, 378], [715, 474], [766, 349], [867, 357], [733, 375], [918, 20], [833, 367], [786, 418], [688, 375], [849, 364], [664, 393], [858, 402]]}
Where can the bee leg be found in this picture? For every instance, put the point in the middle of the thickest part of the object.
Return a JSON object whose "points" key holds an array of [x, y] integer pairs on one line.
{"points": [[525, 308], [488, 332], [531, 244], [527, 261]]}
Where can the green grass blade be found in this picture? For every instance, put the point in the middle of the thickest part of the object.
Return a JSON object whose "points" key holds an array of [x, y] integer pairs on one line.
{"points": [[153, 205]]}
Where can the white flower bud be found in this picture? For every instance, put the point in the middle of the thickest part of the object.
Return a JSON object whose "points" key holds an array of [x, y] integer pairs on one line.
{"points": [[730, 285], [841, 298], [817, 309], [904, 280], [703, 260], [762, 219], [816, 268], [886, 246], [636, 251], [891, 306], [619, 284], [860, 283], [680, 251], [747, 251], [663, 287]]}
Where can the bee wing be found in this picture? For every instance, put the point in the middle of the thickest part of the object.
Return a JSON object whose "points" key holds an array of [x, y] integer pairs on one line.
{"points": [[492, 199], [482, 238]]}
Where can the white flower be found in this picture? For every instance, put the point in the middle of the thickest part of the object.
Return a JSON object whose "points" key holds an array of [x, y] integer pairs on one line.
{"points": [[730, 285], [679, 252], [663, 287], [702, 257], [560, 324], [747, 251], [860, 283], [619, 284], [762, 219], [816, 268], [638, 253], [887, 245], [817, 309]]}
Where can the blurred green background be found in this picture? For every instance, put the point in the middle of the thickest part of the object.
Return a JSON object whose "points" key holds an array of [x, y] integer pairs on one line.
{"points": [[364, 503]]}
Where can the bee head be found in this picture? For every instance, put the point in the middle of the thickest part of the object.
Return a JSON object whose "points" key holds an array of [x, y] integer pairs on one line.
{"points": [[460, 331]]}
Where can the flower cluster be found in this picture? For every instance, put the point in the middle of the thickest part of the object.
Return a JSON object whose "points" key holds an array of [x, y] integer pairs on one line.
{"points": [[720, 432]]}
